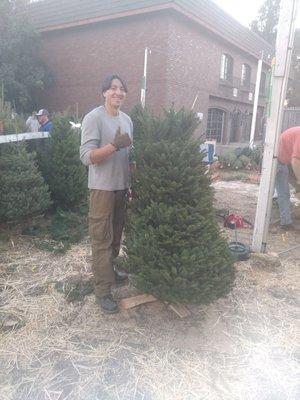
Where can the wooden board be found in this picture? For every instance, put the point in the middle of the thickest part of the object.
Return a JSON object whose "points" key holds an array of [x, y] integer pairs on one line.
{"points": [[180, 310], [136, 301]]}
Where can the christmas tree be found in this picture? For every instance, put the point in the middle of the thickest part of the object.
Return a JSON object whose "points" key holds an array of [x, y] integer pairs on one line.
{"points": [[173, 244], [58, 159], [23, 192]]}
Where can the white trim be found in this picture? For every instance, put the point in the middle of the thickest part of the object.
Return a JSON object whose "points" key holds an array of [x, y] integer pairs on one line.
{"points": [[23, 136]]}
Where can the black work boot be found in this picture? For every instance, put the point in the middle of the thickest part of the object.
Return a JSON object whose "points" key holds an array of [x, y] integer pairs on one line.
{"points": [[108, 304], [121, 275]]}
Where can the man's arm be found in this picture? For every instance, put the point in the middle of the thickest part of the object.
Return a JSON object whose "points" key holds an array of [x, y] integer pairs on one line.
{"points": [[90, 152], [98, 155]]}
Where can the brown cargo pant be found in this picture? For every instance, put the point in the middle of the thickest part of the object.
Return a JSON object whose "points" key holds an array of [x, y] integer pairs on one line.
{"points": [[106, 223]]}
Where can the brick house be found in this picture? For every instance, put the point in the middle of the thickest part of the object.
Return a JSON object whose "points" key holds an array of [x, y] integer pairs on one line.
{"points": [[199, 54]]}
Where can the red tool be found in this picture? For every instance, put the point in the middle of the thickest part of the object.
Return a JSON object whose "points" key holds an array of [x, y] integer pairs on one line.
{"points": [[234, 221]]}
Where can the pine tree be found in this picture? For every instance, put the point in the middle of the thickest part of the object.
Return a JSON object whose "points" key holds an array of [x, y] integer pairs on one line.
{"points": [[23, 73], [265, 25], [174, 248], [23, 192], [58, 159]]}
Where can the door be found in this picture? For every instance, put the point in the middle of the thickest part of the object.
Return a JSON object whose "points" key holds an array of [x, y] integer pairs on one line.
{"points": [[215, 124]]}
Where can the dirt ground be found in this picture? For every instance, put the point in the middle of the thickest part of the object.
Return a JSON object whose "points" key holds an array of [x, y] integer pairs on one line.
{"points": [[243, 347]]}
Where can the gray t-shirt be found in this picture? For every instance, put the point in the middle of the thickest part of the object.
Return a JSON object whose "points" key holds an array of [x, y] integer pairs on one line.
{"points": [[99, 129]]}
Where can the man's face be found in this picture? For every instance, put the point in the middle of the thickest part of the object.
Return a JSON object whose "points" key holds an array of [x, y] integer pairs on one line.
{"points": [[42, 119], [115, 95]]}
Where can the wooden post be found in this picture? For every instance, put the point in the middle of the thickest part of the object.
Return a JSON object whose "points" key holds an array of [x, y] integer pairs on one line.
{"points": [[284, 46]]}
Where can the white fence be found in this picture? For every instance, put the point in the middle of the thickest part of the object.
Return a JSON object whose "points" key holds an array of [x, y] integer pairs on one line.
{"points": [[23, 136]]}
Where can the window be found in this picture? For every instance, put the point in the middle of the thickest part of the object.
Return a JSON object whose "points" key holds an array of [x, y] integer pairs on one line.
{"points": [[226, 71], [215, 124], [246, 75]]}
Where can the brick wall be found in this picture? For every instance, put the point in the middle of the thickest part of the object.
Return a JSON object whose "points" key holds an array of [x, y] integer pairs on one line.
{"points": [[193, 68], [80, 58], [184, 63]]}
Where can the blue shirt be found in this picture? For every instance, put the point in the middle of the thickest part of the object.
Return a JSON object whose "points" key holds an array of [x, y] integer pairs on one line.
{"points": [[47, 127]]}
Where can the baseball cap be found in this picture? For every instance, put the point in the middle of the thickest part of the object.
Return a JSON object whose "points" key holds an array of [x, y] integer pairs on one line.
{"points": [[42, 111]]}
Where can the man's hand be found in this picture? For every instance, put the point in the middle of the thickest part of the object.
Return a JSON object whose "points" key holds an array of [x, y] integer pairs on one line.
{"points": [[121, 140]]}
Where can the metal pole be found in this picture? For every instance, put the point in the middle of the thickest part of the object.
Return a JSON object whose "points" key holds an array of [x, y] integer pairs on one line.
{"points": [[284, 46], [255, 104], [144, 81]]}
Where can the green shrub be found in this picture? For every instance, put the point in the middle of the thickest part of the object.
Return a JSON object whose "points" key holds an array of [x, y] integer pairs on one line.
{"points": [[245, 161], [228, 159], [69, 226], [237, 164], [174, 248], [23, 192], [63, 229], [241, 158], [256, 155]]}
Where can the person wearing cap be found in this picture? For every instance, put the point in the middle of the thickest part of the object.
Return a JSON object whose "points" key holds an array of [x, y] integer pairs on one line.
{"points": [[106, 140], [46, 124], [288, 169]]}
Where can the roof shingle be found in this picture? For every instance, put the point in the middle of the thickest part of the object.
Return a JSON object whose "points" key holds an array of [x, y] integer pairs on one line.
{"points": [[52, 14]]}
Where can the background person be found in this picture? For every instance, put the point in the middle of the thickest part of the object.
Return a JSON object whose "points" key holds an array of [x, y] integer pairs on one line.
{"points": [[46, 124], [32, 123], [288, 157]]}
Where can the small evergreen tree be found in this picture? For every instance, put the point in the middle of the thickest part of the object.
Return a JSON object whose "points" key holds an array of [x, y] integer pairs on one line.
{"points": [[174, 248], [23, 192], [58, 159], [10, 121]]}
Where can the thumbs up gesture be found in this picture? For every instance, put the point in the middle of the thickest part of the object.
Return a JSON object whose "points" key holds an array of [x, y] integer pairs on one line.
{"points": [[121, 140]]}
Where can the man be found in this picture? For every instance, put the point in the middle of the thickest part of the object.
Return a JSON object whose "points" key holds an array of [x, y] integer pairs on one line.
{"points": [[105, 146], [32, 123], [288, 155], [44, 121]]}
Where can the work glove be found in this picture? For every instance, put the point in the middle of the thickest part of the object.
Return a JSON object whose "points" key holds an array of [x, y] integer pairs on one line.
{"points": [[121, 140]]}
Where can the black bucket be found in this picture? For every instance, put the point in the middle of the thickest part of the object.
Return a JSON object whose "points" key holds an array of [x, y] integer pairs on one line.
{"points": [[239, 251]]}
